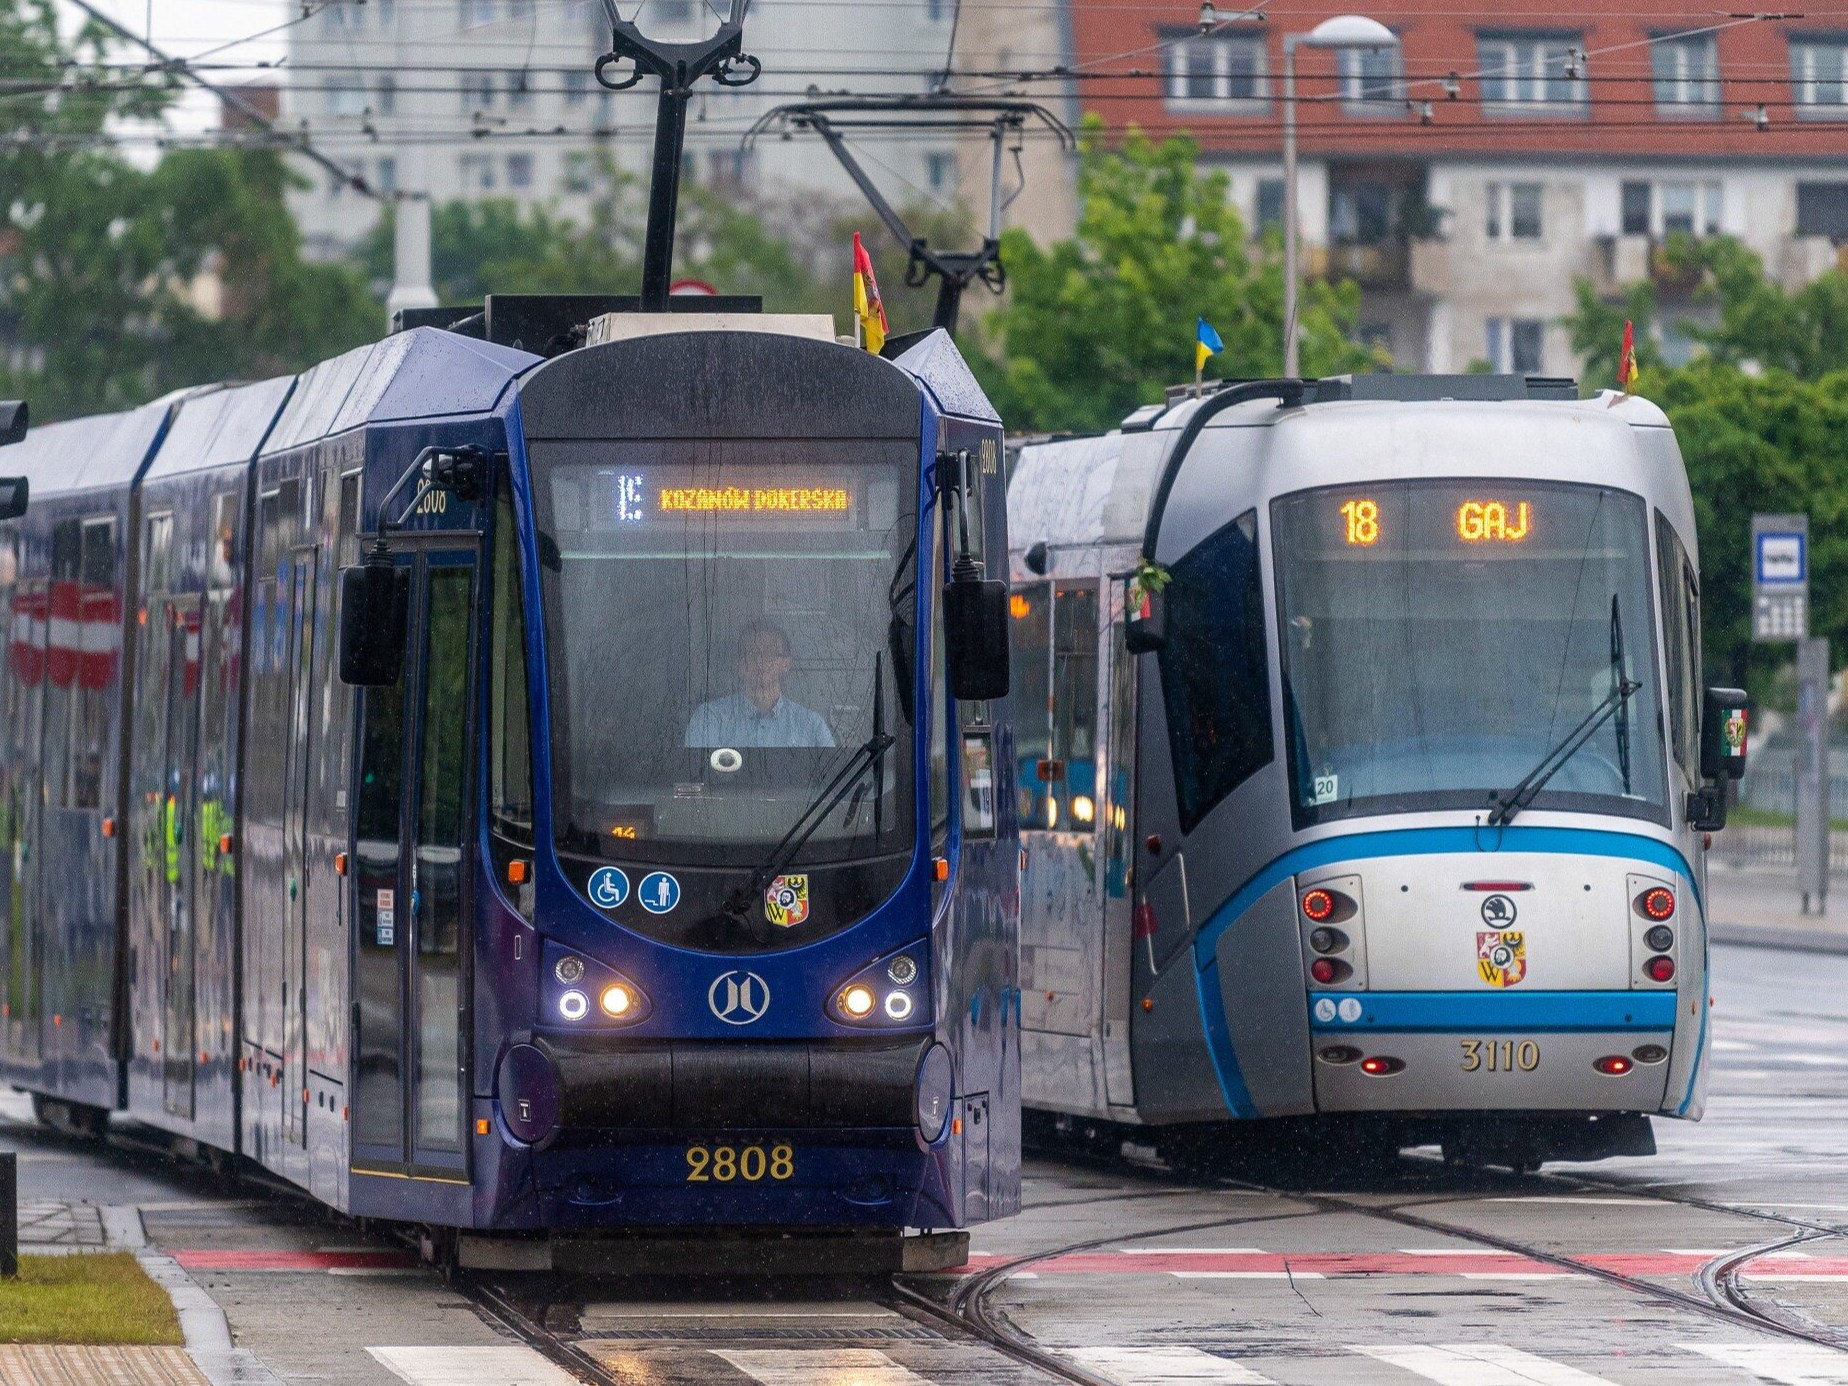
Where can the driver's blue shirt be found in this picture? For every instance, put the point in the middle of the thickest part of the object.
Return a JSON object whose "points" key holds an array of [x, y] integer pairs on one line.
{"points": [[736, 721]]}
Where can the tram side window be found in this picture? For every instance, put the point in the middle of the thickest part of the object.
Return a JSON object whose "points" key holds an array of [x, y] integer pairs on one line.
{"points": [[1072, 801], [61, 656], [1030, 606], [1681, 627], [97, 623], [220, 566], [1215, 674]]}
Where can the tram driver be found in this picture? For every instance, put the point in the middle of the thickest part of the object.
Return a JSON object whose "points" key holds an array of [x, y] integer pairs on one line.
{"points": [[759, 715]]}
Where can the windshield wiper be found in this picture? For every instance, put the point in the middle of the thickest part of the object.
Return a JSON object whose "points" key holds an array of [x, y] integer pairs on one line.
{"points": [[1618, 676], [868, 755], [1617, 700]]}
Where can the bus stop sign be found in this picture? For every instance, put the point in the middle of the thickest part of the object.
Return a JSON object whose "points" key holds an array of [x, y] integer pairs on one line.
{"points": [[1780, 577]]}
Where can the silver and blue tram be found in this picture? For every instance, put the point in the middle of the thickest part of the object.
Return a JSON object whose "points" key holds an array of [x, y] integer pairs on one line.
{"points": [[528, 794], [1363, 767]]}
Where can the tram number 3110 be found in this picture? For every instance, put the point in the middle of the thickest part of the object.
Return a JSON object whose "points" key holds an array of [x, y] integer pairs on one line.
{"points": [[723, 1164], [1500, 1056]]}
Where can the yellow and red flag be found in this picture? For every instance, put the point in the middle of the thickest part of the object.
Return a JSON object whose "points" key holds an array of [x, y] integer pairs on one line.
{"points": [[868, 307], [1626, 364]]}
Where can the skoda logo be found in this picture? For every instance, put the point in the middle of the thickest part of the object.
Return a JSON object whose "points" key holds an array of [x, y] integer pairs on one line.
{"points": [[738, 998], [1498, 911]]}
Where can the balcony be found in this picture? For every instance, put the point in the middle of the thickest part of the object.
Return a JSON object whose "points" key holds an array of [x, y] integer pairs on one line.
{"points": [[1381, 266]]}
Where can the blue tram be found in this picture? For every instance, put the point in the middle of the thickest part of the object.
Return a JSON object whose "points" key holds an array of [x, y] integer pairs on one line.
{"points": [[1377, 781], [515, 793]]}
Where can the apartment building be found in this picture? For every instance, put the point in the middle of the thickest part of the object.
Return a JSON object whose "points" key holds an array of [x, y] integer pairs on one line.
{"points": [[496, 98], [1468, 174]]}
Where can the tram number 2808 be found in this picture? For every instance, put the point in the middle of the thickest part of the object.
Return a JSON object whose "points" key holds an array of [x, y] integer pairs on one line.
{"points": [[1500, 1056], [750, 1164]]}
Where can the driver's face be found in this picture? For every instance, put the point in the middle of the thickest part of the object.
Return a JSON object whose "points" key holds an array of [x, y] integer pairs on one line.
{"points": [[762, 665]]}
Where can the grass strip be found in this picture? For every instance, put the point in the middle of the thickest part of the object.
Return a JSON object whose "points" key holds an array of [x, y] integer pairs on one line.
{"points": [[100, 1298]]}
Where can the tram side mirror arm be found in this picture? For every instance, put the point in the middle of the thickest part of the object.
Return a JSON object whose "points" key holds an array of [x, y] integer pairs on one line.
{"points": [[374, 602], [1723, 729]]}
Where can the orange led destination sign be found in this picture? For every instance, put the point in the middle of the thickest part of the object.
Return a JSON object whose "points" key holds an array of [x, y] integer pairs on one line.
{"points": [[755, 500], [1482, 522], [1363, 522]]}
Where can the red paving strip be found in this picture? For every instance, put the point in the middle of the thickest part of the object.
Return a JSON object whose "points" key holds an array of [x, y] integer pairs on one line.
{"points": [[1400, 1263], [293, 1260]]}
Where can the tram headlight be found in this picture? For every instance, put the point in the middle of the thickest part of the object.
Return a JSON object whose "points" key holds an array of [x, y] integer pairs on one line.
{"points": [[574, 1005], [570, 970], [898, 1005], [857, 1001], [888, 992], [617, 1000], [903, 969]]}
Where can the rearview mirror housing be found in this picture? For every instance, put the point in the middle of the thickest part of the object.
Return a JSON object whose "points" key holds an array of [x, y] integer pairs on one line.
{"points": [[12, 421], [975, 638], [374, 600], [1145, 621], [14, 492], [1723, 725]]}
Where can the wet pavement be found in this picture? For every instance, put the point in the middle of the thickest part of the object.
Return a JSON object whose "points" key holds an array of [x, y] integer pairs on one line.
{"points": [[1715, 1261]]}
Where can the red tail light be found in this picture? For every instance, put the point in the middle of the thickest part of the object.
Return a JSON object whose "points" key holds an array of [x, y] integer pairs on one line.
{"points": [[1380, 1066], [1657, 903], [1660, 969], [1324, 970], [1318, 904], [1615, 1065]]}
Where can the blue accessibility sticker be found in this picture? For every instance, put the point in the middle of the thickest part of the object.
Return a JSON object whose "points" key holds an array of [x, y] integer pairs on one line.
{"points": [[660, 892], [608, 887]]}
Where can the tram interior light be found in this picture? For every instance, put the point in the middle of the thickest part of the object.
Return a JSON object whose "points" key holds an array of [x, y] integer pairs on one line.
{"points": [[1083, 809]]}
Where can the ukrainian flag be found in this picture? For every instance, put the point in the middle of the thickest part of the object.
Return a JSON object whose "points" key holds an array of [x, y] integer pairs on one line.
{"points": [[1206, 343]]}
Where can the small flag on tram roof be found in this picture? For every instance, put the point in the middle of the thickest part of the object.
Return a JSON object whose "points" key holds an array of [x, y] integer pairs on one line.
{"points": [[868, 307], [1626, 364], [1206, 343]]}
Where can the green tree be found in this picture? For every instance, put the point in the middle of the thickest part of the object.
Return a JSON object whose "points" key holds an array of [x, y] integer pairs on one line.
{"points": [[1102, 322], [107, 269]]}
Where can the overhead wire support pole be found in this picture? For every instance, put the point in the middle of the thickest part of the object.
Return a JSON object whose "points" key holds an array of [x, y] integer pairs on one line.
{"points": [[679, 66], [1000, 117]]}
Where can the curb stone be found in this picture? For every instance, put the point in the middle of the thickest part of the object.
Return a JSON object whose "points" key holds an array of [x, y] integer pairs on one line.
{"points": [[207, 1331]]}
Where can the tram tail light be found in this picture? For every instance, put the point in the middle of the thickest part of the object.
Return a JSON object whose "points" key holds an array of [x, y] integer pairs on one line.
{"points": [[1659, 969], [1660, 938], [1614, 1065], [1381, 1065], [1328, 971], [1319, 904], [1657, 903]]}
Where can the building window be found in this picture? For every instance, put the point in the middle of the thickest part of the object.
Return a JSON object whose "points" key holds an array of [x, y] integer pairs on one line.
{"points": [[477, 90], [1365, 213], [1819, 72], [345, 96], [1661, 209], [1513, 212], [1268, 208], [940, 171], [388, 175], [476, 13], [1516, 345], [580, 172], [1216, 69], [519, 170], [577, 87], [1371, 78], [1523, 70], [477, 173], [1822, 210], [388, 95], [1687, 75], [520, 91]]}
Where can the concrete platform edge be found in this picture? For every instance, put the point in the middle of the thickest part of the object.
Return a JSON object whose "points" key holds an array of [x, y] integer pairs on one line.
{"points": [[207, 1331], [1785, 940]]}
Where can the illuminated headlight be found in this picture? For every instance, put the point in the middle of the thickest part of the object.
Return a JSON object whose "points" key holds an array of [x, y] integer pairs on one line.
{"points": [[857, 1001], [617, 1000], [887, 991], [898, 1005], [574, 1005]]}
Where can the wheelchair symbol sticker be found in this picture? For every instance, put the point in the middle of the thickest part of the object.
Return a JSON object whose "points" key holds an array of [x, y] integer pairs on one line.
{"points": [[608, 887], [659, 892]]}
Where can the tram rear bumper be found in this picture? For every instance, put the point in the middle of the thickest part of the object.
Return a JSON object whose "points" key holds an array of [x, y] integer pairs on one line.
{"points": [[1402, 1071], [552, 1084]]}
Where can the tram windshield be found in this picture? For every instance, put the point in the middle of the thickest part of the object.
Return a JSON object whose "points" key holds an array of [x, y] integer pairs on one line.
{"points": [[721, 624], [1441, 637]]}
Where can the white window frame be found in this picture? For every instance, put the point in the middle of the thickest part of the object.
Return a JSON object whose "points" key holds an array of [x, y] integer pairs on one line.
{"points": [[1499, 335], [477, 173], [1518, 70], [1180, 72], [1818, 61], [1498, 223], [1365, 94], [1693, 85]]}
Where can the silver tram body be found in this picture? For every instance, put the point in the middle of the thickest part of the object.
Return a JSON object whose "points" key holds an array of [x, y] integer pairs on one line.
{"points": [[1387, 598]]}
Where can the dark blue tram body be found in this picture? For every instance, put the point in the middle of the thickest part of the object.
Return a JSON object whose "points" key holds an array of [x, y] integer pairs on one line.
{"points": [[366, 936]]}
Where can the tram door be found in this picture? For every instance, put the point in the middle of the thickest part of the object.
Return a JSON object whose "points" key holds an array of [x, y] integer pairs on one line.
{"points": [[26, 756], [412, 855], [176, 822], [300, 748]]}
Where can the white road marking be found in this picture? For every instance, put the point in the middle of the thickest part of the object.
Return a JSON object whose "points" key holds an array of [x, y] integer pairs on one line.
{"points": [[1196, 1251], [1160, 1366], [1449, 1251], [1247, 1275], [504, 1365], [1479, 1364], [1602, 1202], [1791, 1364], [819, 1367], [1514, 1275]]}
